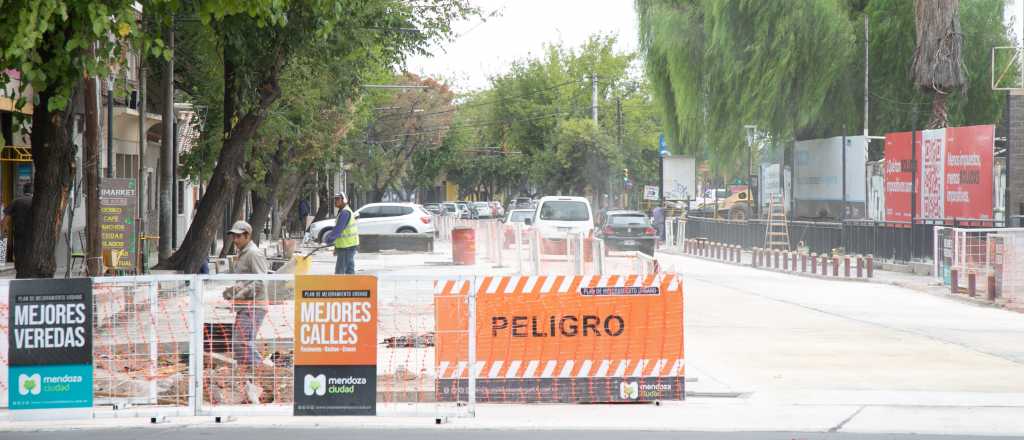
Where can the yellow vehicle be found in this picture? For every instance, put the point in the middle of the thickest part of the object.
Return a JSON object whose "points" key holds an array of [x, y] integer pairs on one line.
{"points": [[737, 206]]}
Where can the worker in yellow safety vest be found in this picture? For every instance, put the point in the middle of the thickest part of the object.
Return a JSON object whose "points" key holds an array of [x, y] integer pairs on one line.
{"points": [[345, 237]]}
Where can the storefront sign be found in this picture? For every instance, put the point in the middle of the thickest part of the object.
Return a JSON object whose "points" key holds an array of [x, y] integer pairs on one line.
{"points": [[335, 345], [50, 343], [118, 205], [563, 339]]}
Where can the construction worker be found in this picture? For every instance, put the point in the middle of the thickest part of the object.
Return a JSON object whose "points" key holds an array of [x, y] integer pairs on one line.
{"points": [[249, 298], [345, 237]]}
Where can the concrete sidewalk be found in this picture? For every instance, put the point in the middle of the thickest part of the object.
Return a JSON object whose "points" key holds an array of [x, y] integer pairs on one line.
{"points": [[920, 283]]}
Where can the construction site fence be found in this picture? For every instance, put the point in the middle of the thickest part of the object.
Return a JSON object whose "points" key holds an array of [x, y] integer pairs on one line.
{"points": [[984, 262], [163, 345], [892, 241], [525, 250]]}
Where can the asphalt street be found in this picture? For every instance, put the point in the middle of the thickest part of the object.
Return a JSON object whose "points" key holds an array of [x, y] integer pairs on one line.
{"points": [[227, 432]]}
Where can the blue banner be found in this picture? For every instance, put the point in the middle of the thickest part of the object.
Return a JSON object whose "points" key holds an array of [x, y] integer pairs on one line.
{"points": [[49, 386]]}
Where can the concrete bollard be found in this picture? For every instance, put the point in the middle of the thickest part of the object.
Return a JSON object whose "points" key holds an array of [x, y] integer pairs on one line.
{"points": [[972, 279], [871, 265], [785, 260], [835, 266], [991, 290], [954, 281], [718, 251], [860, 266], [739, 254], [814, 263], [846, 266], [760, 257]]}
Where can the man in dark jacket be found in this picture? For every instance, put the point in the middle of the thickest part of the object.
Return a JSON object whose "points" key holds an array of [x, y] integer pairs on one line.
{"points": [[18, 222]]}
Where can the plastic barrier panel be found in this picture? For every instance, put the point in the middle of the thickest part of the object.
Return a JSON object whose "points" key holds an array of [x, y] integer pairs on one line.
{"points": [[605, 338]]}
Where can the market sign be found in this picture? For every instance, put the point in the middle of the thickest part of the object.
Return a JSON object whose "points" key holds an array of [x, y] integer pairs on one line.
{"points": [[335, 345], [50, 343], [118, 205]]}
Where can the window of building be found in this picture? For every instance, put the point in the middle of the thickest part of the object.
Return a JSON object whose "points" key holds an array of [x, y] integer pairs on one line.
{"points": [[126, 166]]}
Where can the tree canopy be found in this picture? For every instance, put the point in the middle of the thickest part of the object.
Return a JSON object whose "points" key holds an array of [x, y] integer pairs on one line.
{"points": [[795, 68]]}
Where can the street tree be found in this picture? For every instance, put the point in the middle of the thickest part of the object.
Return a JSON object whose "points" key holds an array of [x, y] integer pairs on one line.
{"points": [[54, 44], [938, 67], [253, 60]]}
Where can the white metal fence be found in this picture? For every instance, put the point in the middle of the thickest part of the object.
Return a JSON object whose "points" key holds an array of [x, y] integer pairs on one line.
{"points": [[995, 252], [166, 345]]}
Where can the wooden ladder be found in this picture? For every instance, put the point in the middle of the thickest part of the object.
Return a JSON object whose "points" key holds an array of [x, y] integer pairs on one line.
{"points": [[776, 234]]}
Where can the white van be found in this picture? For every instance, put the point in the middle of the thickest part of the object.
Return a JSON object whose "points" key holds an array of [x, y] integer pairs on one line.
{"points": [[557, 216]]}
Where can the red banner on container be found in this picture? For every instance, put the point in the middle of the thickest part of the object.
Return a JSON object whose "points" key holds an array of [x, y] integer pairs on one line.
{"points": [[954, 174], [968, 189], [898, 176]]}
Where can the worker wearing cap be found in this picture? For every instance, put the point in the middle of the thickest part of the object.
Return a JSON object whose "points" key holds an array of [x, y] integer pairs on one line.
{"points": [[345, 237], [248, 298]]}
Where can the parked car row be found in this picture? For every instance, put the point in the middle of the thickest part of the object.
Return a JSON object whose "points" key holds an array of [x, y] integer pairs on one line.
{"points": [[552, 217], [380, 218]]}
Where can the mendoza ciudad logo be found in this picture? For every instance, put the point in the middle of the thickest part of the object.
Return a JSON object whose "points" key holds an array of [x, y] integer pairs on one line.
{"points": [[321, 385], [35, 383]]}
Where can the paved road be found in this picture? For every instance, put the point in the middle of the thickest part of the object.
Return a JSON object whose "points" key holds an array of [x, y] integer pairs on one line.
{"points": [[753, 330], [446, 434]]}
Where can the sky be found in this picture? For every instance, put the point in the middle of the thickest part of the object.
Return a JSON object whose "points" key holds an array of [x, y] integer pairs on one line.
{"points": [[518, 29]]}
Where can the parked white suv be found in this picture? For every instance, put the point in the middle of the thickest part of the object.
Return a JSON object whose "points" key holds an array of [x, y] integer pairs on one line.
{"points": [[557, 216], [381, 218]]}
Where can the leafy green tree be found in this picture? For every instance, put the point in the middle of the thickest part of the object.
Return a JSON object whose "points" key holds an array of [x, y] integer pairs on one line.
{"points": [[531, 132], [795, 69], [56, 43], [255, 58], [717, 66]]}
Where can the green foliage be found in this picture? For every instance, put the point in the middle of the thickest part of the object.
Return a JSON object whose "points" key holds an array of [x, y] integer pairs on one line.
{"points": [[531, 132], [795, 68]]}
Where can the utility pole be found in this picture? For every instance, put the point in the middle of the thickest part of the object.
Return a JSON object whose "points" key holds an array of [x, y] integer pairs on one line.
{"points": [[618, 121], [110, 127], [842, 212], [593, 97], [140, 221], [167, 152], [867, 71], [93, 245]]}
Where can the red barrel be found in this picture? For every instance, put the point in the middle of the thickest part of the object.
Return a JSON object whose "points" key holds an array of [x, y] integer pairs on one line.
{"points": [[464, 246]]}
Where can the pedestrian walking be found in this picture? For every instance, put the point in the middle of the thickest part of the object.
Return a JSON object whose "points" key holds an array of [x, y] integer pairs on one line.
{"points": [[248, 298], [18, 224], [304, 209], [345, 237], [659, 221]]}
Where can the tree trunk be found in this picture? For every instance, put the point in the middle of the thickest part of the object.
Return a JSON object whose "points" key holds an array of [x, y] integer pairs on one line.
{"points": [[237, 213], [93, 243], [53, 155], [326, 209], [286, 201], [225, 180], [262, 204], [940, 113], [167, 154]]}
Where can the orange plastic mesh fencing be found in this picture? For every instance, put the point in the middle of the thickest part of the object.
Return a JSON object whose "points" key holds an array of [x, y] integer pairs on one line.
{"points": [[142, 336], [563, 339]]}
